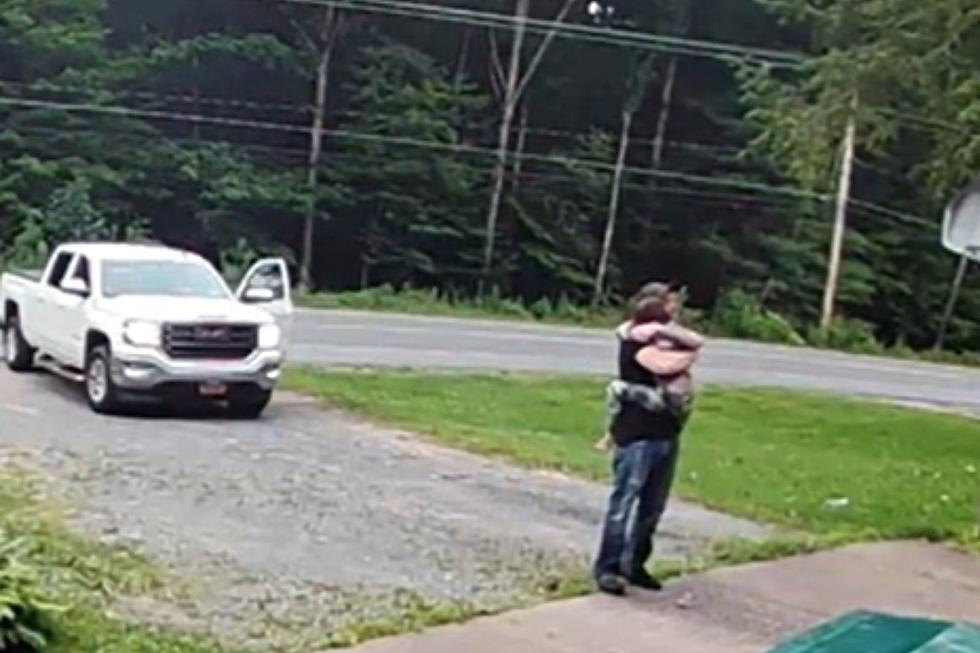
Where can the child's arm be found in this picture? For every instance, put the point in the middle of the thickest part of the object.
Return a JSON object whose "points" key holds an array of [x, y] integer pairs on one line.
{"points": [[666, 363], [683, 337]]}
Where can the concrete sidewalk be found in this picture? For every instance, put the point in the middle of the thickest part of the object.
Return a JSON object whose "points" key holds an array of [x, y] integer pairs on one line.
{"points": [[738, 610]]}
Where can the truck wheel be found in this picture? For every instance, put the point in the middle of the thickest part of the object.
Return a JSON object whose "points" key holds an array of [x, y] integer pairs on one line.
{"points": [[99, 388], [251, 408], [18, 354]]}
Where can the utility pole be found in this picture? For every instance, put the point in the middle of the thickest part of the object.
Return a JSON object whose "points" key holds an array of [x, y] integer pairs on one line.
{"points": [[840, 219], [954, 296]]}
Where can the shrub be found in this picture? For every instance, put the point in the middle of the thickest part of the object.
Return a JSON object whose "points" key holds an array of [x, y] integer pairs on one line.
{"points": [[740, 316], [542, 309], [847, 335], [565, 310], [24, 608], [497, 304]]}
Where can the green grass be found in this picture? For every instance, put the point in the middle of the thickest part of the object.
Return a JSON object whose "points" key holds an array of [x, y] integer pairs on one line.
{"points": [[785, 458]]}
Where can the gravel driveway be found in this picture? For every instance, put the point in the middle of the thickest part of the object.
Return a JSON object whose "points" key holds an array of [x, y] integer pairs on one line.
{"points": [[291, 525]]}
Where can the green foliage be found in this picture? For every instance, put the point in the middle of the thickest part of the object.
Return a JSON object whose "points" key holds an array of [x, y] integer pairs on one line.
{"points": [[25, 607], [492, 305], [70, 216], [413, 203], [47, 35], [48, 577], [848, 335], [740, 316], [558, 221], [405, 172]]}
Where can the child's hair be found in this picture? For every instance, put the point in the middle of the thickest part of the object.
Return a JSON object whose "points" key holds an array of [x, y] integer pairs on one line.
{"points": [[651, 309]]}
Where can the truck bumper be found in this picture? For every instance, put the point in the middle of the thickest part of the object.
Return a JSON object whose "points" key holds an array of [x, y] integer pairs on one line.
{"points": [[140, 371]]}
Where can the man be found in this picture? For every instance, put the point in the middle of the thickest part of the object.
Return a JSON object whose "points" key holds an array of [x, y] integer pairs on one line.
{"points": [[646, 450]]}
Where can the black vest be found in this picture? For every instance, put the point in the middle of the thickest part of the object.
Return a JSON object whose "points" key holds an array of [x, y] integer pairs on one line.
{"points": [[634, 422]]}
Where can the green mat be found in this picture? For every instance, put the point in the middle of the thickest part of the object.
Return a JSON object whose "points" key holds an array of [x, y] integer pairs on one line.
{"points": [[867, 632]]}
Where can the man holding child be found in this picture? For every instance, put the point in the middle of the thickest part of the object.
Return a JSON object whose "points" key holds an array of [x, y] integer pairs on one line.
{"points": [[649, 404]]}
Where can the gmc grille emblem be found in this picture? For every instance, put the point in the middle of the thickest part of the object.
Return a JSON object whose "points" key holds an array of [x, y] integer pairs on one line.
{"points": [[211, 333]]}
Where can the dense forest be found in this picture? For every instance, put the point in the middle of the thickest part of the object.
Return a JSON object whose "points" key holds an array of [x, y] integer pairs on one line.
{"points": [[564, 150]]}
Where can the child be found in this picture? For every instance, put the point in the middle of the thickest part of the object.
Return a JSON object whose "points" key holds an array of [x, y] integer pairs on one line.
{"points": [[674, 394]]}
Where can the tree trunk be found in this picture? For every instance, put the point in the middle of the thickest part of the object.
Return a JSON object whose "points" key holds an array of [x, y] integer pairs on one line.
{"points": [[667, 100], [503, 137], [840, 220], [464, 55], [514, 89], [365, 274], [515, 178], [614, 195], [316, 146], [954, 296]]}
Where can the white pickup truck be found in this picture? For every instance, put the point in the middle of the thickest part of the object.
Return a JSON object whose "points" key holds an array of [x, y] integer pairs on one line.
{"points": [[145, 322]]}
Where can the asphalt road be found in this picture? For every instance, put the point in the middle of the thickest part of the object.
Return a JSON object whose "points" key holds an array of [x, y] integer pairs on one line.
{"points": [[355, 339]]}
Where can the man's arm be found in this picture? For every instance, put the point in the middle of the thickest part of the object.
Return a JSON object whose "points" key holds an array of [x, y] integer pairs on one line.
{"points": [[666, 363]]}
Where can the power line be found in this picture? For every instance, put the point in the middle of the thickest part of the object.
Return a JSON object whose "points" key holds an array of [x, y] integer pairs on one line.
{"points": [[678, 193], [922, 122], [690, 145], [609, 36], [456, 148], [186, 97]]}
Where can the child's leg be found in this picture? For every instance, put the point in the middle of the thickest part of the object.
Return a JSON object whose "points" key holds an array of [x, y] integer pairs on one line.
{"points": [[651, 399], [604, 445], [614, 393]]}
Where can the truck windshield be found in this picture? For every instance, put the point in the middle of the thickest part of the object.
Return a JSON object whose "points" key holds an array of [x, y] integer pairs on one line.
{"points": [[160, 279]]}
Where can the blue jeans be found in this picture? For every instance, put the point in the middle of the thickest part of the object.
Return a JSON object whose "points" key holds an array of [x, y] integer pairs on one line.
{"points": [[643, 473]]}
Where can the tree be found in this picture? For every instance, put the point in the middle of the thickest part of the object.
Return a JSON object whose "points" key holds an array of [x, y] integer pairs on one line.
{"points": [[409, 180], [321, 47], [559, 229], [636, 90], [726, 179], [515, 83], [832, 104]]}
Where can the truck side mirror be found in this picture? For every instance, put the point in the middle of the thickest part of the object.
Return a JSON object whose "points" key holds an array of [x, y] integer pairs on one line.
{"points": [[75, 286], [257, 295]]}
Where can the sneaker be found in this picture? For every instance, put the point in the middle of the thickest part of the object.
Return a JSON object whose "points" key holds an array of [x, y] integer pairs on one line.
{"points": [[644, 580], [611, 584]]}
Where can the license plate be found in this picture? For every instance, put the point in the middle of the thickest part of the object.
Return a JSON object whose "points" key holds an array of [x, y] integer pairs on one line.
{"points": [[212, 389]]}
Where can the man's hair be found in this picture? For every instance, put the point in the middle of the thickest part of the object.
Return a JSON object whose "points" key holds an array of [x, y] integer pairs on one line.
{"points": [[653, 290], [649, 304], [651, 309]]}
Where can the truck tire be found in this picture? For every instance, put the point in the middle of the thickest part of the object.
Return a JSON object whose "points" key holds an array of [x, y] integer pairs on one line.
{"points": [[17, 352], [250, 408], [100, 391]]}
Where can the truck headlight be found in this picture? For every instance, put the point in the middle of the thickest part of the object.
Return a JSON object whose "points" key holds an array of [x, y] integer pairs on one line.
{"points": [[141, 333], [269, 336]]}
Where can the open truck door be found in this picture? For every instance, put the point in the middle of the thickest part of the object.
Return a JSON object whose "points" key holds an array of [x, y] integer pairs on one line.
{"points": [[267, 285]]}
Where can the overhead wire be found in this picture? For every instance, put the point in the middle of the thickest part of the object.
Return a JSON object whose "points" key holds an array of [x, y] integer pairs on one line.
{"points": [[187, 97], [457, 148], [589, 33]]}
